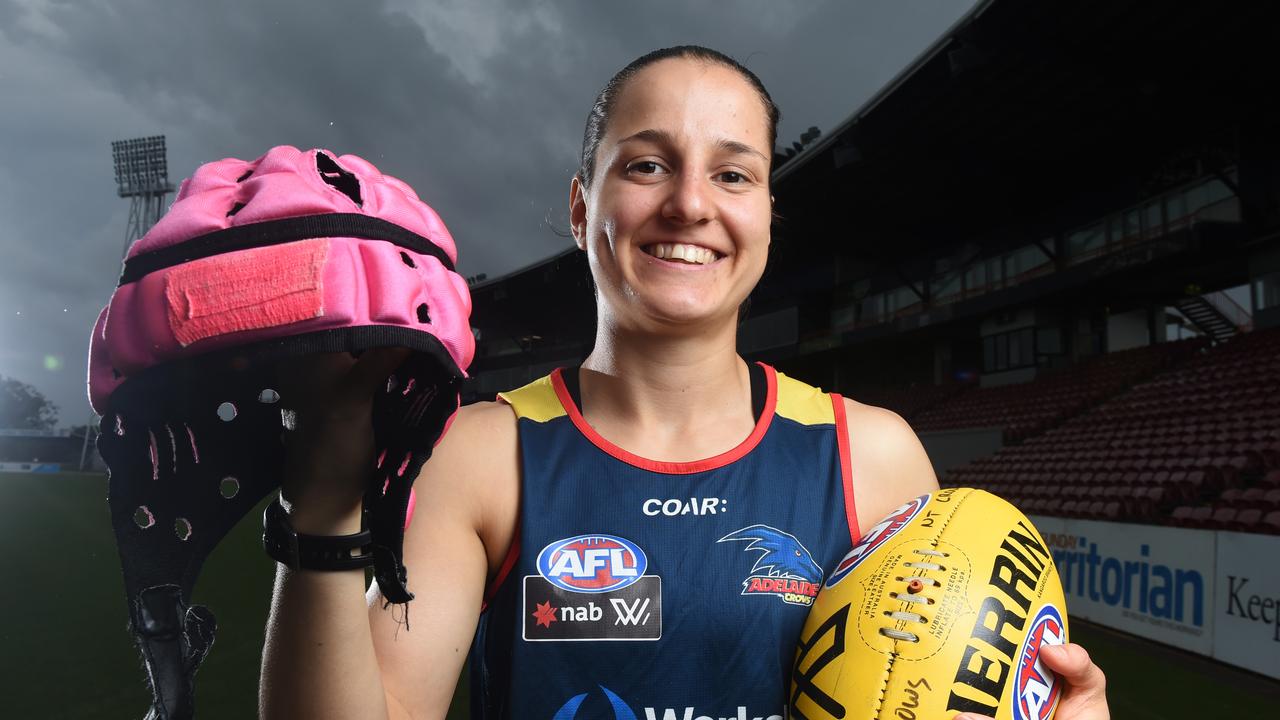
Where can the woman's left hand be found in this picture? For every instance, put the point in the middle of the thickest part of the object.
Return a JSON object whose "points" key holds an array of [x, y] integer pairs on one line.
{"points": [[1085, 694]]}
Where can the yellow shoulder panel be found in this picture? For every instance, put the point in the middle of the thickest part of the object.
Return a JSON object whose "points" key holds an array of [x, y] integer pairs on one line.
{"points": [[803, 403], [536, 401]]}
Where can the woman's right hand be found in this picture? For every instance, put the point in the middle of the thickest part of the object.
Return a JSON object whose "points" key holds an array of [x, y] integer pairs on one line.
{"points": [[329, 453]]}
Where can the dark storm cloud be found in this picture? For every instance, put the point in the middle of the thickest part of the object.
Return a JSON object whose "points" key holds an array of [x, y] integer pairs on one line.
{"points": [[477, 104]]}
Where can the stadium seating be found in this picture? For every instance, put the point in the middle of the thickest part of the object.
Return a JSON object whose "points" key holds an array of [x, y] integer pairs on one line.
{"points": [[1196, 445], [1028, 409]]}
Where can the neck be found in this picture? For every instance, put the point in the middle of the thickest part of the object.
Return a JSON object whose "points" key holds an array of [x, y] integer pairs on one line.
{"points": [[673, 397]]}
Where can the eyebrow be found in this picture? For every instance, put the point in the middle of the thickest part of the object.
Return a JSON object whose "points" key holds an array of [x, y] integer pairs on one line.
{"points": [[662, 137]]}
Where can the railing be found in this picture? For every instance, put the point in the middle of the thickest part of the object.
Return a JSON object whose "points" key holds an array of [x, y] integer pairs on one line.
{"points": [[1230, 309]]}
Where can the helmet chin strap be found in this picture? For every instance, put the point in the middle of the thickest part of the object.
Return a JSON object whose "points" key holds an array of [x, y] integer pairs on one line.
{"points": [[194, 446]]}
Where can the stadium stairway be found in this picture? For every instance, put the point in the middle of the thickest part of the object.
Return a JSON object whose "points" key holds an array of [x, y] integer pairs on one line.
{"points": [[1197, 445]]}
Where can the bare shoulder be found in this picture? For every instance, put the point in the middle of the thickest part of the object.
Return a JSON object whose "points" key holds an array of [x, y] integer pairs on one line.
{"points": [[889, 465], [475, 440]]}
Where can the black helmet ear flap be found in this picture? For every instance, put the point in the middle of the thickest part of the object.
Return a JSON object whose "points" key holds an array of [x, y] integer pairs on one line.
{"points": [[191, 450], [194, 446]]}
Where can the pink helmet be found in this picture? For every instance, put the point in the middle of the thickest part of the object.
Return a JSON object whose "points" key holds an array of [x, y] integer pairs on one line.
{"points": [[296, 252]]}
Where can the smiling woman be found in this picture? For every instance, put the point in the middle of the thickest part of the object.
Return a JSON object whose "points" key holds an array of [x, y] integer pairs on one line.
{"points": [[542, 535]]}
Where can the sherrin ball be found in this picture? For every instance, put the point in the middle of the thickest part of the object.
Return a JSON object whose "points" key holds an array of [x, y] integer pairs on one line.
{"points": [[942, 607]]}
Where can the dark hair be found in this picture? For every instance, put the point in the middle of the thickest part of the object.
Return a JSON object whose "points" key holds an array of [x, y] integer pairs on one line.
{"points": [[598, 118]]}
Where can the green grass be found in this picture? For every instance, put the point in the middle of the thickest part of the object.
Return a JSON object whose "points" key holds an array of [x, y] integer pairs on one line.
{"points": [[66, 652], [64, 643]]}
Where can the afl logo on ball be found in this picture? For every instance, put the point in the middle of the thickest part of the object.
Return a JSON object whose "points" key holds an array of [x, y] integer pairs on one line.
{"points": [[1037, 689], [592, 563], [877, 536]]}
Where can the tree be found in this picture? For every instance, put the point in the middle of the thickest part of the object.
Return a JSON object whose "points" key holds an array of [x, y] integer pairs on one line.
{"points": [[22, 406]]}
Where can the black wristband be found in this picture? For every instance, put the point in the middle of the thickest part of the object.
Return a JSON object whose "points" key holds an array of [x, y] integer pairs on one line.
{"points": [[311, 552]]}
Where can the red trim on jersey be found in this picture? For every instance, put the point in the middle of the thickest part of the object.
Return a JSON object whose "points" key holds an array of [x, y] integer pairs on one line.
{"points": [[672, 468], [846, 466], [513, 553]]}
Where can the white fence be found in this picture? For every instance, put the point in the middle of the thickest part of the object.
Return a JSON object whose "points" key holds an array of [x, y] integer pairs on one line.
{"points": [[1210, 592]]}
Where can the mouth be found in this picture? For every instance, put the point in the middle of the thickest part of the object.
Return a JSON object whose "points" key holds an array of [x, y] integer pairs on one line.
{"points": [[682, 253]]}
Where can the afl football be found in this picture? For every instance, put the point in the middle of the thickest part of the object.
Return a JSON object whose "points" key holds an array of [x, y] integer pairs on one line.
{"points": [[942, 607]]}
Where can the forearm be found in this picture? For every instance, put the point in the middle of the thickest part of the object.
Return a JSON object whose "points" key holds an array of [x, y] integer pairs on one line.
{"points": [[318, 660]]}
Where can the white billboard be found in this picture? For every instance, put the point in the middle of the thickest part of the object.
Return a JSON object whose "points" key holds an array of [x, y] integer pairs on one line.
{"points": [[1156, 582], [1247, 619]]}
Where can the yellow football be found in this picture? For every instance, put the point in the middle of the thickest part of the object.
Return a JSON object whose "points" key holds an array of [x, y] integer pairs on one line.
{"points": [[940, 608]]}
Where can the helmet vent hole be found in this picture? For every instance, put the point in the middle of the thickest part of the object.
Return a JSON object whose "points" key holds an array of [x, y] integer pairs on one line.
{"points": [[247, 174], [235, 209], [337, 178], [143, 518], [407, 260], [182, 528], [423, 315], [227, 412], [229, 487]]}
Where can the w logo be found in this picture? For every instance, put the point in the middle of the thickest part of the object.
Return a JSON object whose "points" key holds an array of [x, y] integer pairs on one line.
{"points": [[569, 711], [635, 613]]}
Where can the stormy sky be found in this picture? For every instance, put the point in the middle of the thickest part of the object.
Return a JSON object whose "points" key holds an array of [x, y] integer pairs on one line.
{"points": [[478, 104]]}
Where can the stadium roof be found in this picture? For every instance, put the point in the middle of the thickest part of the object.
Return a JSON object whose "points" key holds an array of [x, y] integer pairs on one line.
{"points": [[1028, 117]]}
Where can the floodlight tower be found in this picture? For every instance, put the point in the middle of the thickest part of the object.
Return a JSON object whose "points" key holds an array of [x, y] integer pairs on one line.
{"points": [[142, 175]]}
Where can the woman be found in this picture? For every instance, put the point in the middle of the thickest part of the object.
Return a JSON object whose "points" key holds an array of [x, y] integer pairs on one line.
{"points": [[645, 497]]}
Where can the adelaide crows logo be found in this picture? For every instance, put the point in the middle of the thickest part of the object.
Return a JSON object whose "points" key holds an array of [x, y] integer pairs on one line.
{"points": [[785, 568]]}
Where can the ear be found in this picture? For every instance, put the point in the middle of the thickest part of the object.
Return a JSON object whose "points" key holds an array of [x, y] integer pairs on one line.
{"points": [[578, 212]]}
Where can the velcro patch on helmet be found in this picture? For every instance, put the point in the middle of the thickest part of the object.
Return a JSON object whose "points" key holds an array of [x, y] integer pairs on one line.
{"points": [[247, 290]]}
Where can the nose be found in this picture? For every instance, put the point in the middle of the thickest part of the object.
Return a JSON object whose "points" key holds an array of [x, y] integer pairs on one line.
{"points": [[688, 202]]}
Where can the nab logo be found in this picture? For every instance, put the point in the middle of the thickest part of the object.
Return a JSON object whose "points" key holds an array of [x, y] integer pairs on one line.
{"points": [[1036, 691], [569, 711], [877, 536], [592, 563]]}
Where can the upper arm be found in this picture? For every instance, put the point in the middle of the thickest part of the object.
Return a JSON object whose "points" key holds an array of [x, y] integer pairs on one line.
{"points": [[888, 463], [463, 523]]}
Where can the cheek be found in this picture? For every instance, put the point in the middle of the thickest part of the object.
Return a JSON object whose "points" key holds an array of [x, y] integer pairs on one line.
{"points": [[751, 227]]}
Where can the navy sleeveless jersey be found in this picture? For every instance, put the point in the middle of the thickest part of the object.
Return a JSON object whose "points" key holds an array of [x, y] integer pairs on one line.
{"points": [[673, 591]]}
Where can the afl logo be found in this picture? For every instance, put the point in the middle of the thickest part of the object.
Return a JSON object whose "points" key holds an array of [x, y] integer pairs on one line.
{"points": [[592, 563], [1036, 692], [877, 536]]}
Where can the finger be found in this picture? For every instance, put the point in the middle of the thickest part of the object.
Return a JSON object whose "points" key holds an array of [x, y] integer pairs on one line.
{"points": [[972, 716], [1072, 663]]}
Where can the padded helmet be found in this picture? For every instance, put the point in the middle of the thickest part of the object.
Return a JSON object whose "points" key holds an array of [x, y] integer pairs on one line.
{"points": [[296, 252]]}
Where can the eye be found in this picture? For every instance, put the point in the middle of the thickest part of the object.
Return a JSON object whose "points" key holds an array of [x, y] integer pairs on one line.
{"points": [[732, 177], [645, 167]]}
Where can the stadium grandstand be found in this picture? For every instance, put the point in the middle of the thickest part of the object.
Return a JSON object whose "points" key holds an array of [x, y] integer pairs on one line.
{"points": [[1052, 243], [48, 451]]}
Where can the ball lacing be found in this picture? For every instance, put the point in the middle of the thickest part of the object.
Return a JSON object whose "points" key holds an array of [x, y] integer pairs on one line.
{"points": [[915, 584]]}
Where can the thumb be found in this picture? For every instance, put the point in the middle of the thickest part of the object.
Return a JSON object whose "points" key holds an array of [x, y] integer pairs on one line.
{"points": [[371, 370], [1070, 661], [1073, 664]]}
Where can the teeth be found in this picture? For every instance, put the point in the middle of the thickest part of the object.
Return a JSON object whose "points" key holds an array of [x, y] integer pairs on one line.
{"points": [[679, 251]]}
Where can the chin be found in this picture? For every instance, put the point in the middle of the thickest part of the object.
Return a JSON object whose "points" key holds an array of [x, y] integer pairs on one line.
{"points": [[688, 312]]}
